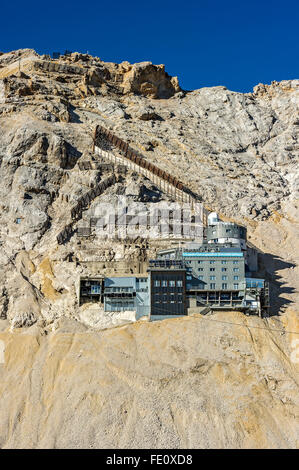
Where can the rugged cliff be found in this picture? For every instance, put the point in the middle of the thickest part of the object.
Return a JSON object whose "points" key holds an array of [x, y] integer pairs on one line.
{"points": [[221, 381], [239, 152]]}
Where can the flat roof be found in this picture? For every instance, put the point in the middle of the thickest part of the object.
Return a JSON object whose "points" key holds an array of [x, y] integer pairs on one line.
{"points": [[212, 254], [125, 281], [91, 278]]}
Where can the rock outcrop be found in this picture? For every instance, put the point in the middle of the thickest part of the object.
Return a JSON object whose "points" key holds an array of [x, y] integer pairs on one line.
{"points": [[239, 152]]}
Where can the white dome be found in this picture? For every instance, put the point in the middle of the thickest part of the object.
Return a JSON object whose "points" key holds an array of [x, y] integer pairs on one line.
{"points": [[213, 218]]}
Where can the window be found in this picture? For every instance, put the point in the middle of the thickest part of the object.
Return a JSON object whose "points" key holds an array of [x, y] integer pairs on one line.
{"points": [[199, 262], [212, 269], [223, 261], [223, 270], [95, 289], [212, 285], [157, 284], [224, 278], [212, 278], [164, 283], [18, 220], [212, 262], [200, 278], [236, 286], [235, 261], [236, 278], [179, 283], [189, 278], [171, 283], [236, 270], [228, 230], [224, 285], [200, 269]]}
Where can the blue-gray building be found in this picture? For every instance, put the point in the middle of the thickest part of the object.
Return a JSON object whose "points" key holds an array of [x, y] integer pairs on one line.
{"points": [[127, 293], [219, 272]]}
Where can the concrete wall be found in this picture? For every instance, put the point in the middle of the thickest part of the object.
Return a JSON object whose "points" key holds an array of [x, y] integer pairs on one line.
{"points": [[218, 267]]}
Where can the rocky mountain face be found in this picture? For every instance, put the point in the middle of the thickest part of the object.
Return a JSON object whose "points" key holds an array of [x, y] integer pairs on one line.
{"points": [[182, 383], [239, 153]]}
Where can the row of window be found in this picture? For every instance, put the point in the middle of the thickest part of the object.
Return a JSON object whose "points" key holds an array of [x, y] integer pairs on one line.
{"points": [[170, 283], [168, 298], [212, 278], [224, 270], [118, 306], [223, 261], [224, 286], [169, 294], [95, 289], [118, 289], [229, 230]]}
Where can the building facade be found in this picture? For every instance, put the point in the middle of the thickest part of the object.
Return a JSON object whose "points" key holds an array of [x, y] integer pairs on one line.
{"points": [[91, 290], [124, 293], [216, 273], [167, 288]]}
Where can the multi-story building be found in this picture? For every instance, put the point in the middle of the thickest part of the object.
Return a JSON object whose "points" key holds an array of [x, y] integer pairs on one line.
{"points": [[217, 273], [167, 282], [117, 294], [216, 276], [225, 232], [91, 290]]}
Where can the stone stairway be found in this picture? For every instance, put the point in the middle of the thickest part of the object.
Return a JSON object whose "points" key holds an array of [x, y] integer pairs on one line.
{"points": [[126, 157], [136, 162], [83, 204]]}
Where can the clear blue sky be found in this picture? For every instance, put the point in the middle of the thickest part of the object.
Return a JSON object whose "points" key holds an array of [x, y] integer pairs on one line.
{"points": [[205, 43]]}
